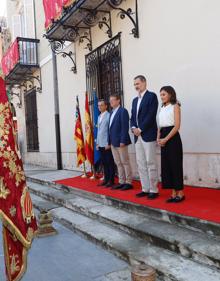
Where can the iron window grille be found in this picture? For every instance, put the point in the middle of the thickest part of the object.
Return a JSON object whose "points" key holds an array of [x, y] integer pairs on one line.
{"points": [[31, 121], [104, 70]]}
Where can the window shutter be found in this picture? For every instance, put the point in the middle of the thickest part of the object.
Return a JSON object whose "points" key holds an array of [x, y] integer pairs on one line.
{"points": [[29, 19], [16, 26]]}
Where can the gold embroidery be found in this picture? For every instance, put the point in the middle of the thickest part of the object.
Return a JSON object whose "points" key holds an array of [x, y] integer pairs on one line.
{"points": [[4, 192], [12, 211], [30, 234], [27, 207], [9, 156], [14, 264]]}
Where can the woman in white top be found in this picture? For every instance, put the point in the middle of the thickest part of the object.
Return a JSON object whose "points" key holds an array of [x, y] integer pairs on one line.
{"points": [[171, 145]]}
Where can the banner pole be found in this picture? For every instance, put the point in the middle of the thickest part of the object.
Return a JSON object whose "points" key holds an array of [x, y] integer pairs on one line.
{"points": [[84, 171], [93, 177]]}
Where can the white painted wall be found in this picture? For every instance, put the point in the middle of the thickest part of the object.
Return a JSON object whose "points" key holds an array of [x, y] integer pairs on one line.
{"points": [[179, 45]]}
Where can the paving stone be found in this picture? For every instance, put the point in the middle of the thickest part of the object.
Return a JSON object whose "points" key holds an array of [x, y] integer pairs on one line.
{"points": [[122, 275], [66, 257]]}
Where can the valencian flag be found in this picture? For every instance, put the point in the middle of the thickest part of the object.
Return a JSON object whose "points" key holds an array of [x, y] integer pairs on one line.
{"points": [[89, 141], [16, 209], [95, 127], [78, 136]]}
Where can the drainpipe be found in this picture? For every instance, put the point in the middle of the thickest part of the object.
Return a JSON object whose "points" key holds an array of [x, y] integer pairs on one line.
{"points": [[57, 113]]}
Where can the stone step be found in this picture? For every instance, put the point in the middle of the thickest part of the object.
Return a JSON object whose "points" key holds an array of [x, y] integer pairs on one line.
{"points": [[162, 215], [169, 266], [191, 244]]}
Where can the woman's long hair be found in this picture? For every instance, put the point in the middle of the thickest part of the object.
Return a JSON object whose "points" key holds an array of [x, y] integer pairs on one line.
{"points": [[170, 90]]}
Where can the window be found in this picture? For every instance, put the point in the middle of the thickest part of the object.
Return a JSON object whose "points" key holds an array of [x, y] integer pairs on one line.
{"points": [[104, 69], [22, 19], [16, 26], [31, 121]]}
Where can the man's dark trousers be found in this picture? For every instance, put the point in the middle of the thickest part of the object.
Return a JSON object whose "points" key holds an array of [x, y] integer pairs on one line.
{"points": [[108, 164]]}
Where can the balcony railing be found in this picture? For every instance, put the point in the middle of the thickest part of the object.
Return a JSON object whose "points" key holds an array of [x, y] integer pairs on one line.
{"points": [[21, 59]]}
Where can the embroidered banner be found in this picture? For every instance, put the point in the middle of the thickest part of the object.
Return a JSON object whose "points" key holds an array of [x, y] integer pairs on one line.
{"points": [[11, 58], [16, 209]]}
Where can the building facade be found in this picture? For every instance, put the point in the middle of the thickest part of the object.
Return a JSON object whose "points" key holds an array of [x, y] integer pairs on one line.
{"points": [[170, 42]]}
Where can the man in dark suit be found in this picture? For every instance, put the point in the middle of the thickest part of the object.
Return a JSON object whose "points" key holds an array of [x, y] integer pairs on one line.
{"points": [[119, 140], [144, 128]]}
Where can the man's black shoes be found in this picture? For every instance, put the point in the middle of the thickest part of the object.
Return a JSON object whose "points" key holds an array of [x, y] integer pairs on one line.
{"points": [[152, 195], [118, 186], [127, 186], [109, 184], [102, 183], [142, 194]]}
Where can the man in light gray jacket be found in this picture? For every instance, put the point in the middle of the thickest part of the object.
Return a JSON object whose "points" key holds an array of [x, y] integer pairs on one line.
{"points": [[103, 145]]}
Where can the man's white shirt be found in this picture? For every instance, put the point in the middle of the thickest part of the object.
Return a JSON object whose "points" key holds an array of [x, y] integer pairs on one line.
{"points": [[140, 97], [114, 111], [101, 116]]}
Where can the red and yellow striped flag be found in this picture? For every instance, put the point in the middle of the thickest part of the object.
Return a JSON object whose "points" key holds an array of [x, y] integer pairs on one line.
{"points": [[78, 136], [89, 144]]}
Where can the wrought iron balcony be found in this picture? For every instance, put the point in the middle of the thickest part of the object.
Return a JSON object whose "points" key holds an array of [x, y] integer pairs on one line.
{"points": [[71, 20], [20, 61]]}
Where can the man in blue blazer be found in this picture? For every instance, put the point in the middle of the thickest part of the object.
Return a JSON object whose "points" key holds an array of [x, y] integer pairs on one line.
{"points": [[144, 128], [119, 140]]}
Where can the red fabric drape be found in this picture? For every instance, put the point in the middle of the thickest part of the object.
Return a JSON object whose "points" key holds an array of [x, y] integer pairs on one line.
{"points": [[11, 58], [67, 3], [53, 10], [16, 209]]}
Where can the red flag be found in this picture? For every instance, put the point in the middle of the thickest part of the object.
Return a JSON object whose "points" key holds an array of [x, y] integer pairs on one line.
{"points": [[16, 209], [53, 10], [11, 58], [89, 145], [78, 136]]}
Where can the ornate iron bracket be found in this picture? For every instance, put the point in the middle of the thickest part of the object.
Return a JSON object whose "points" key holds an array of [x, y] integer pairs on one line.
{"points": [[18, 95], [81, 34], [30, 79], [19, 87], [86, 36], [26, 83], [57, 47], [107, 22], [100, 17], [132, 15]]}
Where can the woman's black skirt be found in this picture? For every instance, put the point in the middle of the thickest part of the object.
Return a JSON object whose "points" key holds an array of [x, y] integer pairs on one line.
{"points": [[172, 161]]}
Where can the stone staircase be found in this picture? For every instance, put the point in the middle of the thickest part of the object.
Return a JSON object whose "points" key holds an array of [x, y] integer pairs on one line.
{"points": [[179, 248]]}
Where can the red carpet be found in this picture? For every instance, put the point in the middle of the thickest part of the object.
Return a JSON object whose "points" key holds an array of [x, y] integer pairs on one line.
{"points": [[202, 203]]}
